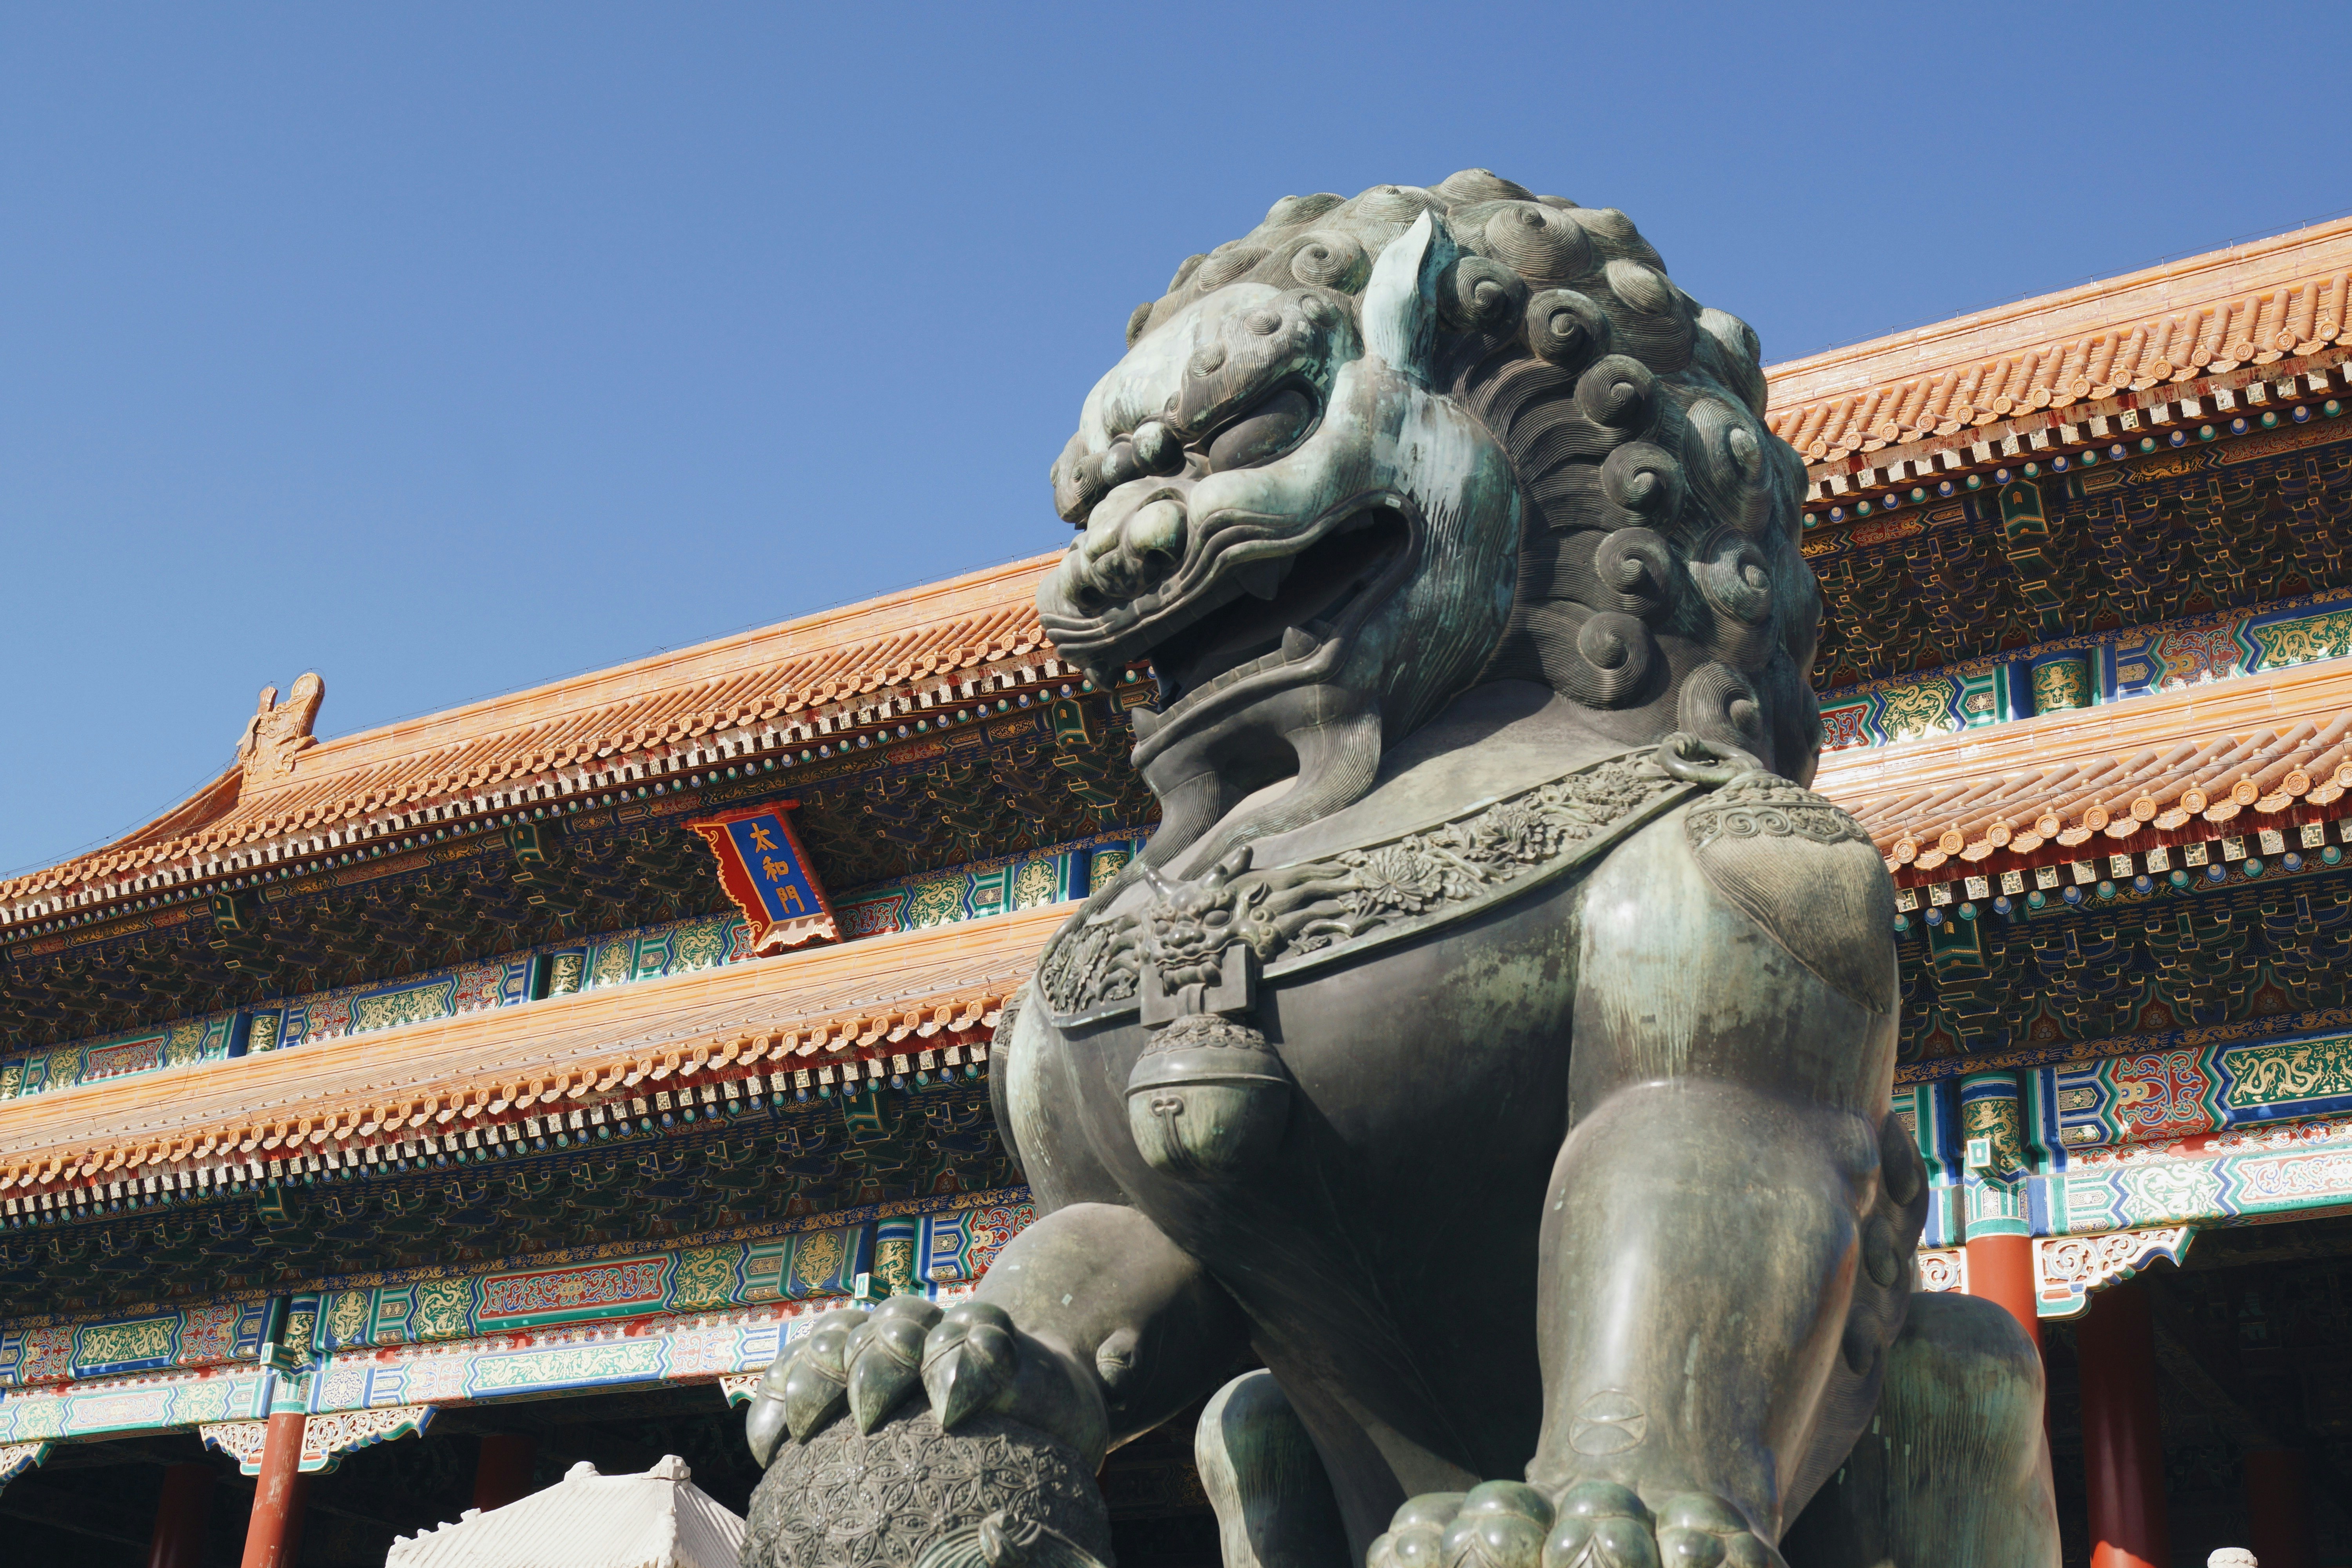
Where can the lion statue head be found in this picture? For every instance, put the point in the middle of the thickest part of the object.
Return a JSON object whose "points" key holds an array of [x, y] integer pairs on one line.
{"points": [[1382, 449]]}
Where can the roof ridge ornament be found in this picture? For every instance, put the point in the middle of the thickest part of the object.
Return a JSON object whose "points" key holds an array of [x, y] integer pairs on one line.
{"points": [[278, 730]]}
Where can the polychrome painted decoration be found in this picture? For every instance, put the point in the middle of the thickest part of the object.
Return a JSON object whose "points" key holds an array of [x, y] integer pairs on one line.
{"points": [[2150, 1096], [2078, 672], [145, 1404], [805, 1263], [213, 1334], [985, 887], [2261, 1175], [764, 872], [376, 1353], [2231, 1133]]}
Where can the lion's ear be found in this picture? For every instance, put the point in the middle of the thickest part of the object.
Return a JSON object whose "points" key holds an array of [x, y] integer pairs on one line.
{"points": [[1399, 309]]}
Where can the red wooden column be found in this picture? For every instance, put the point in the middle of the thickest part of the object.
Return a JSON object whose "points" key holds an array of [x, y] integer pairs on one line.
{"points": [[502, 1474], [2278, 1500], [2123, 1441], [2001, 1269], [274, 1535], [180, 1517]]}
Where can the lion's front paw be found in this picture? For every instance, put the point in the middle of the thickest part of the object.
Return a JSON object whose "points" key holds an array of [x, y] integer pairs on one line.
{"points": [[1603, 1525], [1595, 1524], [863, 1363]]}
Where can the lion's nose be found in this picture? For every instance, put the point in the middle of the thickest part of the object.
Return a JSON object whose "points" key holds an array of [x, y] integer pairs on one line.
{"points": [[1127, 550], [1155, 530]]}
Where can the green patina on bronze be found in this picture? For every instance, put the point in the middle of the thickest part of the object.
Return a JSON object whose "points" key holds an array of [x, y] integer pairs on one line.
{"points": [[1490, 916]]}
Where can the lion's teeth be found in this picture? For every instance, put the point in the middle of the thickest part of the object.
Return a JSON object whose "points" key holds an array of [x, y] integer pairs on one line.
{"points": [[1145, 720], [1298, 644], [1263, 578]]}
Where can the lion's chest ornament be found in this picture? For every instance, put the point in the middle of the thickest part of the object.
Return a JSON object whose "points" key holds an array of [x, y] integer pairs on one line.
{"points": [[1209, 1096]]}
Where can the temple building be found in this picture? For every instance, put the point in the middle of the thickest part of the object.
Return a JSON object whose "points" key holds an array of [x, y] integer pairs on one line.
{"points": [[411, 1115]]}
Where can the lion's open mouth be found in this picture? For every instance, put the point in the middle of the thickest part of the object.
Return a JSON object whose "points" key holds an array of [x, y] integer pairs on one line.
{"points": [[1279, 611], [1275, 625]]}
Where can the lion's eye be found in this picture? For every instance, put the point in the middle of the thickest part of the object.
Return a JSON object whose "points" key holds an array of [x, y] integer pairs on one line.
{"points": [[1265, 433]]}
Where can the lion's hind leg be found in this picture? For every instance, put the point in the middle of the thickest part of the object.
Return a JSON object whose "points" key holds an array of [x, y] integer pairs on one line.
{"points": [[1266, 1480], [1953, 1468]]}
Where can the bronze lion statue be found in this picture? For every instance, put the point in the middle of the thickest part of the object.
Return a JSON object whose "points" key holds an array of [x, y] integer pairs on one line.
{"points": [[1496, 1037]]}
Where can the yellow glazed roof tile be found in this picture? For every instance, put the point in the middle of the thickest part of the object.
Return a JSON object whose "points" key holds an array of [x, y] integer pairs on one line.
{"points": [[2200, 762], [2246, 304], [857, 1000]]}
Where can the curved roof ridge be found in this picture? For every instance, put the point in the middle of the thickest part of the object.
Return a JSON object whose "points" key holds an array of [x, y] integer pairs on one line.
{"points": [[644, 686], [2162, 290], [917, 632]]}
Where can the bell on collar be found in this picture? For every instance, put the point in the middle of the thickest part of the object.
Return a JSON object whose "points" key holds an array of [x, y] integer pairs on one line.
{"points": [[1208, 1098]]}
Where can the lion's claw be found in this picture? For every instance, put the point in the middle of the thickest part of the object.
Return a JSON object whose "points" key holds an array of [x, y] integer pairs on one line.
{"points": [[764, 1424], [1415, 1536], [816, 1379], [1501, 1524], [1595, 1524], [1695, 1530], [1497, 1524], [890, 1362], [864, 1364], [804, 1387], [1603, 1525], [969, 1361]]}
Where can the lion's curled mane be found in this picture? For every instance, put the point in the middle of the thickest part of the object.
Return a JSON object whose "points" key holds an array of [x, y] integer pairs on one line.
{"points": [[1659, 572]]}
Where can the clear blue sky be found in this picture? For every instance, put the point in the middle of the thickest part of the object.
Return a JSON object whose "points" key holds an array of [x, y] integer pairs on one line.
{"points": [[449, 348]]}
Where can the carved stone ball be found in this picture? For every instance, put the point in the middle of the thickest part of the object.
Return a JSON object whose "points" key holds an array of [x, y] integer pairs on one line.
{"points": [[845, 1500]]}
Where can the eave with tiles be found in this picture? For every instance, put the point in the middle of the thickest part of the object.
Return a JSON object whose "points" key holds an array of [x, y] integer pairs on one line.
{"points": [[2232, 334], [2008, 947], [852, 1013], [2261, 751], [864, 716], [753, 701], [2122, 892]]}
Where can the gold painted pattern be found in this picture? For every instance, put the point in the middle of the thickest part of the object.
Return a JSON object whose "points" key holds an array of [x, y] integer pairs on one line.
{"points": [[935, 901], [2328, 636], [2267, 1075], [700, 945], [705, 1278], [2061, 685], [1922, 707], [1035, 883], [894, 1264], [444, 1308], [186, 1044], [417, 1005], [347, 1316], [111, 1344], [1997, 1120], [818, 1258]]}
